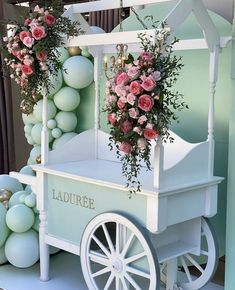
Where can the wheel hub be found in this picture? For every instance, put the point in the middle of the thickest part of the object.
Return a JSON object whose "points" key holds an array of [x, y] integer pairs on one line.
{"points": [[117, 266]]}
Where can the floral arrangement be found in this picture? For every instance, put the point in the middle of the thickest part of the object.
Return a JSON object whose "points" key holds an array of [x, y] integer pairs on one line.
{"points": [[30, 49], [141, 104]]}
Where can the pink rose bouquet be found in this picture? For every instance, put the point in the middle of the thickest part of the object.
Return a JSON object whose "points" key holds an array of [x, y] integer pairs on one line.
{"points": [[141, 104], [30, 49]]}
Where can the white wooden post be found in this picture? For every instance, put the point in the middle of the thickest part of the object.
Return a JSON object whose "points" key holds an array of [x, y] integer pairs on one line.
{"points": [[171, 276], [158, 163], [213, 76]]}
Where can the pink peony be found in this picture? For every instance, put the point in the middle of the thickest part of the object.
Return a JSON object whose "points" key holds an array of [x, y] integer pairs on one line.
{"points": [[120, 90], [42, 55], [28, 41], [49, 20], [148, 83], [145, 103], [146, 56], [125, 147], [142, 119], [133, 72], [38, 32], [141, 143], [133, 113], [121, 105], [27, 21], [135, 88], [26, 69], [150, 134], [131, 99], [111, 118], [122, 79], [24, 34], [126, 127]]}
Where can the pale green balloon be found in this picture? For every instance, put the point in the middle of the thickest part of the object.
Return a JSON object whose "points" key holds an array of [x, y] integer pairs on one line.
{"points": [[36, 223], [4, 230], [56, 81], [85, 53], [36, 211], [35, 153], [30, 162], [56, 133], [30, 200], [78, 72], [15, 199], [51, 110], [10, 183], [22, 198], [28, 188], [30, 140], [97, 30], [63, 139], [62, 54], [29, 119], [3, 258], [53, 250], [67, 99], [51, 124], [20, 218], [27, 170], [28, 128], [66, 121], [22, 249]]}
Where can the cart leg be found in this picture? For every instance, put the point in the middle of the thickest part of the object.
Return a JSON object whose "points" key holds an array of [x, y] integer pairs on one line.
{"points": [[171, 276], [123, 240], [44, 248]]}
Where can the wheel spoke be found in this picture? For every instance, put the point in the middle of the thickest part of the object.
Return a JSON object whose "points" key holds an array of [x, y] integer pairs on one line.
{"points": [[132, 281], [102, 247], [135, 258], [127, 245], [117, 238], [98, 258], [108, 238], [101, 272], [138, 272], [195, 263], [124, 285], [186, 269], [109, 281], [117, 283], [205, 253]]}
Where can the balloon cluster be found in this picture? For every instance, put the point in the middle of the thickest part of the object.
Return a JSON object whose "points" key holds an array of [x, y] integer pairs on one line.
{"points": [[77, 72]]}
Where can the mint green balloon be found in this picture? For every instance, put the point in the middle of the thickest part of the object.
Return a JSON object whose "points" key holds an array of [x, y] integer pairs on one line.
{"points": [[20, 218], [63, 139], [30, 200], [36, 134], [66, 121], [36, 223], [56, 81], [37, 110], [15, 198], [3, 258], [35, 153], [56, 133], [10, 183], [30, 162], [67, 99], [51, 124], [4, 230], [62, 54], [30, 140], [54, 250], [78, 72], [28, 188], [27, 170], [29, 119], [22, 249], [28, 128]]}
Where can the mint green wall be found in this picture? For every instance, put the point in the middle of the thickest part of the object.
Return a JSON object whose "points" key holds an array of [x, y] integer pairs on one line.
{"points": [[194, 84]]}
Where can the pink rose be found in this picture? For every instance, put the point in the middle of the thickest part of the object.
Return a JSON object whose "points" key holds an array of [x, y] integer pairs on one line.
{"points": [[121, 105], [26, 69], [142, 119], [148, 83], [20, 55], [141, 143], [138, 130], [135, 88], [133, 113], [120, 90], [146, 56], [38, 32], [111, 118], [49, 19], [122, 79], [126, 127], [156, 75], [28, 61], [111, 99], [145, 103], [24, 34], [125, 147], [131, 99], [133, 72], [27, 21], [28, 41], [42, 55], [150, 134]]}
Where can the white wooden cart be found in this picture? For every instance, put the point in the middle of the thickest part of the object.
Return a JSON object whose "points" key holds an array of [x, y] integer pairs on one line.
{"points": [[84, 208]]}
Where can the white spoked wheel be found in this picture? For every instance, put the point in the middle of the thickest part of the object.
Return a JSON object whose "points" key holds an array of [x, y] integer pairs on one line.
{"points": [[196, 276], [116, 254]]}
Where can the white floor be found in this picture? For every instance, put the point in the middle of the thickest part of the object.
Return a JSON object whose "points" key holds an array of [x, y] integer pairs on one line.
{"points": [[65, 275]]}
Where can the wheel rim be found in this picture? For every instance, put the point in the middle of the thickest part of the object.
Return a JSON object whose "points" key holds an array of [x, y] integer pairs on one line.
{"points": [[189, 280], [116, 254]]}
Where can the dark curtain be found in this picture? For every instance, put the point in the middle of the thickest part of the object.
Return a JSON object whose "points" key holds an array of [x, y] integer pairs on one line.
{"points": [[107, 19], [7, 152]]}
